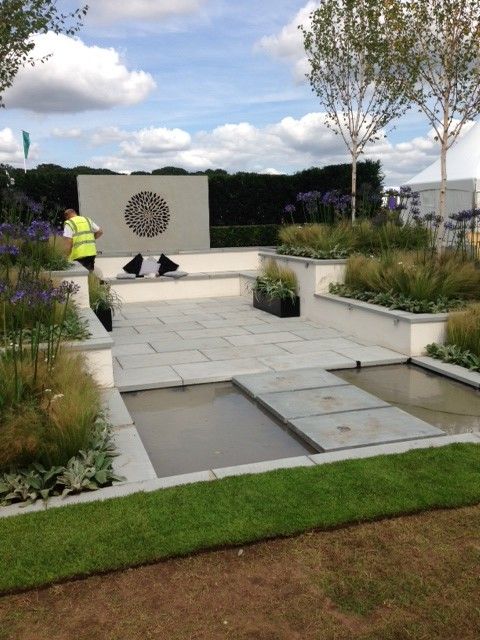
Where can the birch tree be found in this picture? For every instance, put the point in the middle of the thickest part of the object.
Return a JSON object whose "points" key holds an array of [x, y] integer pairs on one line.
{"points": [[22, 19], [439, 41], [353, 72]]}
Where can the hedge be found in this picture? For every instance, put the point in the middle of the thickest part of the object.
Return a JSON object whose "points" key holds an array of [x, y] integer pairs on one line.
{"points": [[261, 235]]}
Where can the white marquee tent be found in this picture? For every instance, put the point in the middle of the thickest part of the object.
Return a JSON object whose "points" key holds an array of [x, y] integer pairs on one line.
{"points": [[463, 177]]}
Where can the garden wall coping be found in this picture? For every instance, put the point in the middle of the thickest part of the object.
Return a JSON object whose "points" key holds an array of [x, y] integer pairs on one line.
{"points": [[307, 261], [74, 270], [404, 316], [454, 371], [119, 254], [99, 337], [215, 275]]}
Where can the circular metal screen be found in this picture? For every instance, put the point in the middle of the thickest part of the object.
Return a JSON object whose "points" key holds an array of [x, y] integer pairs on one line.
{"points": [[147, 214]]}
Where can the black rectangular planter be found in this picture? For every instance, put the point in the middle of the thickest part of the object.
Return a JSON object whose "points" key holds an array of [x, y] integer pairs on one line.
{"points": [[105, 317], [282, 308]]}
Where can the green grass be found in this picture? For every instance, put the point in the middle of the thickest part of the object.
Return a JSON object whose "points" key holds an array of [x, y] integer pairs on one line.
{"points": [[41, 548]]}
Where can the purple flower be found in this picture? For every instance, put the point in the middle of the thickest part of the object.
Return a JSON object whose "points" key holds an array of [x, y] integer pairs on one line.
{"points": [[18, 296], [65, 290], [9, 250], [290, 208], [39, 230], [449, 226], [392, 202]]}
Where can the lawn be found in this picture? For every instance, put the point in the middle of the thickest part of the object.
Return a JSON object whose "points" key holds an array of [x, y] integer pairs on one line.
{"points": [[413, 577], [40, 548]]}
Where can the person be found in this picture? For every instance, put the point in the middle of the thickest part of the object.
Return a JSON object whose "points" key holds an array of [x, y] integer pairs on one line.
{"points": [[81, 234]]}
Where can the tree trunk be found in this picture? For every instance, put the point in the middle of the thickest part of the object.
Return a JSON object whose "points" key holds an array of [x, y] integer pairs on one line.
{"points": [[354, 182], [443, 178]]}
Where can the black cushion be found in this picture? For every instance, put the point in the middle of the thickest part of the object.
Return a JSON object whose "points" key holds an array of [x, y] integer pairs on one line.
{"points": [[166, 265], [134, 265]]}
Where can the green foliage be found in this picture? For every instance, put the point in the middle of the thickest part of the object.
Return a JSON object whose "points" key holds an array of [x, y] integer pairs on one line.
{"points": [[397, 301], [19, 22], [88, 470], [340, 240], [414, 275], [265, 235], [235, 199], [147, 527], [46, 413], [463, 330], [102, 296], [453, 354], [276, 282], [353, 72]]}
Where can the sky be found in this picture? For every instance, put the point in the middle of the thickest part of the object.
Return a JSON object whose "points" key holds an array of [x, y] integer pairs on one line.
{"points": [[198, 84]]}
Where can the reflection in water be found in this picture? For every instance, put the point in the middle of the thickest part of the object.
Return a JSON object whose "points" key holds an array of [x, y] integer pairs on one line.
{"points": [[186, 429], [447, 404]]}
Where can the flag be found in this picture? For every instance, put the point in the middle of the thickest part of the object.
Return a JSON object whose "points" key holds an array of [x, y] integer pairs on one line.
{"points": [[26, 143]]}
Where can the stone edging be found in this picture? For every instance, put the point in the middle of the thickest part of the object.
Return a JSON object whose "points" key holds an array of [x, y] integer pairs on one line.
{"points": [[454, 371]]}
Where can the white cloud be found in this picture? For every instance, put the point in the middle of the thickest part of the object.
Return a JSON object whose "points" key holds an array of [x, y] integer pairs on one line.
{"points": [[76, 77], [72, 133], [11, 148], [107, 11], [283, 147], [287, 45]]}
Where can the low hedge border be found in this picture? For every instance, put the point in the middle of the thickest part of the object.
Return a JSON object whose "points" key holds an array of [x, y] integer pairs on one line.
{"points": [[262, 235]]}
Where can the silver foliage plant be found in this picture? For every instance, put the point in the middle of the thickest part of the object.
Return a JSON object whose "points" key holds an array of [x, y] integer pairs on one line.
{"points": [[89, 470]]}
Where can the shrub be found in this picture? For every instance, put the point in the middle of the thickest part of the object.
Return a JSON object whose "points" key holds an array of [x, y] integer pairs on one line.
{"points": [[332, 239], [276, 282], [46, 413], [454, 355], [265, 235], [416, 276], [463, 330]]}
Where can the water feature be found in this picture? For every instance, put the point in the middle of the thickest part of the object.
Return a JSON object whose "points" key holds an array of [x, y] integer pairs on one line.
{"points": [[440, 401], [187, 429]]}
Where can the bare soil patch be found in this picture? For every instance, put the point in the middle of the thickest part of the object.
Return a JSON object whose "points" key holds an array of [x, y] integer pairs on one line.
{"points": [[414, 577]]}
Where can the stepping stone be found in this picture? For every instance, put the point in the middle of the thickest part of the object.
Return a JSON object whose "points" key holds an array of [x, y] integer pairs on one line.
{"points": [[288, 405], [362, 428], [291, 380]]}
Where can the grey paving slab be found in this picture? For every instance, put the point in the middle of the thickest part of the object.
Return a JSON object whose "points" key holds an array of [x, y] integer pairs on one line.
{"points": [[263, 467], [268, 327], [217, 371], [146, 378], [372, 355], [132, 349], [118, 414], [295, 379], [143, 338], [179, 344], [314, 333], [176, 481], [157, 359], [133, 462], [221, 332], [315, 346], [162, 328], [325, 360], [362, 428], [230, 353], [288, 405], [215, 324], [264, 338], [125, 331], [136, 322]]}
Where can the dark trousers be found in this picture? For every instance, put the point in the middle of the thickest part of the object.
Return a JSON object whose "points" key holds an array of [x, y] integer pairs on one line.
{"points": [[88, 262]]}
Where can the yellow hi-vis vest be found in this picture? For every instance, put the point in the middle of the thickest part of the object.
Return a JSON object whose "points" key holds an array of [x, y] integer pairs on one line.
{"points": [[83, 238]]}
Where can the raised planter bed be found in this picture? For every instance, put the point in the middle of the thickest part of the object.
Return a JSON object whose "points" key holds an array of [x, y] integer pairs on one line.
{"points": [[313, 276], [286, 308], [79, 275], [106, 318], [407, 333]]}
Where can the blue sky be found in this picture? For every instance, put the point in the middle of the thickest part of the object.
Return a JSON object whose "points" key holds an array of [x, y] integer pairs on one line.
{"points": [[193, 83]]}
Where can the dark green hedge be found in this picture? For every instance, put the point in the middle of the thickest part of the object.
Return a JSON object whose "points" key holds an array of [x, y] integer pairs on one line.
{"points": [[265, 235], [235, 199]]}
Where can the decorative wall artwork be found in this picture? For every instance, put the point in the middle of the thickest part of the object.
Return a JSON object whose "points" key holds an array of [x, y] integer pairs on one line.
{"points": [[147, 214]]}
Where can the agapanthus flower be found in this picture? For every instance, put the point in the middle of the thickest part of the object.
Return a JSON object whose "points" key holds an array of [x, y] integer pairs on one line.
{"points": [[39, 230], [290, 208], [9, 250]]}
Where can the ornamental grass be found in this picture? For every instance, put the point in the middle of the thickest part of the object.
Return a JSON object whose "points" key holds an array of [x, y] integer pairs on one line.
{"points": [[276, 282], [463, 329], [415, 275], [46, 412]]}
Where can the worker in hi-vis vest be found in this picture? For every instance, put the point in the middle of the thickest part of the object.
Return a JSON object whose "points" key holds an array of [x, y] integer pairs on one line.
{"points": [[80, 234]]}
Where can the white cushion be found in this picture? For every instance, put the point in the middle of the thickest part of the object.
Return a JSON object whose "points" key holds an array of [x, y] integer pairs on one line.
{"points": [[123, 275], [149, 267]]}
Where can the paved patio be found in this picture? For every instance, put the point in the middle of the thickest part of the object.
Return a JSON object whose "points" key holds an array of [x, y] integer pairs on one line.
{"points": [[181, 342]]}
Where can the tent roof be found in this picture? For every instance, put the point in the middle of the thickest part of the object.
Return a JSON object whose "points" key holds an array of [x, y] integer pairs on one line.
{"points": [[463, 161]]}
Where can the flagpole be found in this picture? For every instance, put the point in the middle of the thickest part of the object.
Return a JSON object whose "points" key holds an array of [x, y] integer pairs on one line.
{"points": [[25, 164]]}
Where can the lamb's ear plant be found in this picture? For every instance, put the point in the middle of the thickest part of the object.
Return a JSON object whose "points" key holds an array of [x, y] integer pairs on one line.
{"points": [[276, 282]]}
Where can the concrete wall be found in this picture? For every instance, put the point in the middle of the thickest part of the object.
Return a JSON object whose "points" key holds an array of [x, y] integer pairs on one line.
{"points": [[106, 199]]}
